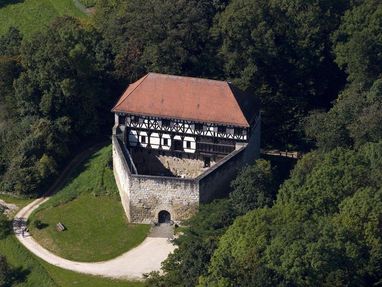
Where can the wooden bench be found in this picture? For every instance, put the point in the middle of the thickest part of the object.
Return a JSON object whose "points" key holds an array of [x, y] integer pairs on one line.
{"points": [[60, 227]]}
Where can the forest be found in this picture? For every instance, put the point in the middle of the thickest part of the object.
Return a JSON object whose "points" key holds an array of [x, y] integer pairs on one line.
{"points": [[315, 66]]}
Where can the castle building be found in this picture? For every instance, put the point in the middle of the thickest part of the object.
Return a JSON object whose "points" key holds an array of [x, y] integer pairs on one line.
{"points": [[178, 142]]}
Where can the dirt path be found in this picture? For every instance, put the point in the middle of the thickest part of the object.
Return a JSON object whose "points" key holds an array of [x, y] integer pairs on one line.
{"points": [[145, 258]]}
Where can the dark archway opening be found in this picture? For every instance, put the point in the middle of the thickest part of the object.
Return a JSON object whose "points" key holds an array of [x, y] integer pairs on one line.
{"points": [[164, 217]]}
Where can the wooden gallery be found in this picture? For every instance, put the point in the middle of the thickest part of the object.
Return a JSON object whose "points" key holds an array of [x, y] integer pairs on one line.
{"points": [[179, 141]]}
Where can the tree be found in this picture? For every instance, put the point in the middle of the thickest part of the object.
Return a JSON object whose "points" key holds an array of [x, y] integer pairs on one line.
{"points": [[4, 271], [324, 229], [59, 99], [5, 225], [281, 52], [358, 42], [353, 120], [253, 188], [159, 35]]}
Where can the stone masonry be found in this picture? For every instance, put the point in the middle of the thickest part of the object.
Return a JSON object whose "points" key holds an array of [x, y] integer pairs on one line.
{"points": [[144, 196]]}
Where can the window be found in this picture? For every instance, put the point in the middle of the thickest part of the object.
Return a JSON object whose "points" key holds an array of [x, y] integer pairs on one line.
{"points": [[188, 144], [199, 127], [143, 139], [134, 119], [165, 142], [221, 130], [166, 123], [238, 131], [230, 131], [122, 120], [207, 162]]}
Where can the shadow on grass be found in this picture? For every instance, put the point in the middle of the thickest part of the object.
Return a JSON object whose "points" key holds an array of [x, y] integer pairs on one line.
{"points": [[4, 3], [16, 276], [40, 225]]}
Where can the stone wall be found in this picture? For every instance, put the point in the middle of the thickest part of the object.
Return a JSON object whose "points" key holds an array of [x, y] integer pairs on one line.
{"points": [[152, 194], [122, 176], [143, 197], [216, 182]]}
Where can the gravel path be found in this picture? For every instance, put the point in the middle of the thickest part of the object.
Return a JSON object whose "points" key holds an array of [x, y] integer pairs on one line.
{"points": [[145, 258], [132, 265]]}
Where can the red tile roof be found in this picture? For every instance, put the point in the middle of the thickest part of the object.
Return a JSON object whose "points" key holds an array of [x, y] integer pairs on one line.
{"points": [[184, 98]]}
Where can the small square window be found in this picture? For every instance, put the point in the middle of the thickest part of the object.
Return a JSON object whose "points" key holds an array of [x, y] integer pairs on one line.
{"points": [[122, 120], [143, 139], [165, 142], [198, 127], [230, 131], [166, 123], [238, 131], [222, 130], [188, 144]]}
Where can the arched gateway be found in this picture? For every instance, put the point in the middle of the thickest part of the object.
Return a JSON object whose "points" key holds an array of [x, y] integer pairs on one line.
{"points": [[164, 217]]}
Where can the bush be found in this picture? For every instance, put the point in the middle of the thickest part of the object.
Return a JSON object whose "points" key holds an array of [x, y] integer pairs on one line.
{"points": [[5, 227]]}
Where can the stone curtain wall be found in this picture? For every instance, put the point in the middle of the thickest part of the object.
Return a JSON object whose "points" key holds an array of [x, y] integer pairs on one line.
{"points": [[143, 197], [215, 183], [122, 175], [152, 194]]}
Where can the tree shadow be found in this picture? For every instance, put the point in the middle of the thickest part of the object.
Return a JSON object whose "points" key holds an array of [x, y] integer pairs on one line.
{"points": [[4, 3], [16, 276], [40, 225]]}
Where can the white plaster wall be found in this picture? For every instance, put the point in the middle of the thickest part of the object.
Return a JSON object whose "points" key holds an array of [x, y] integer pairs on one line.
{"points": [[154, 140], [168, 137], [192, 149], [141, 135]]}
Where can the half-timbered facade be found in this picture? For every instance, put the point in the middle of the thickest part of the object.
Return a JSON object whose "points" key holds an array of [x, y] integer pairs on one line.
{"points": [[169, 117], [178, 141]]}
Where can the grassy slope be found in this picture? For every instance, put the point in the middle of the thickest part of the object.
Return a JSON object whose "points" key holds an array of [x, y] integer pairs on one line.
{"points": [[97, 229], [32, 15], [39, 273]]}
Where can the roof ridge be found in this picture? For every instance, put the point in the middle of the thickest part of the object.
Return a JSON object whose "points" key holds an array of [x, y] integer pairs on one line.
{"points": [[189, 77]]}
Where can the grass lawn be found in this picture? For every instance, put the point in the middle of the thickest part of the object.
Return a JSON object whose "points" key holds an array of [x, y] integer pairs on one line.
{"points": [[90, 209], [32, 15], [98, 200], [96, 229]]}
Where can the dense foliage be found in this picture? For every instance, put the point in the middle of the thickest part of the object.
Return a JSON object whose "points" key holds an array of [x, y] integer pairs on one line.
{"points": [[281, 52], [356, 116], [324, 228], [254, 187], [55, 100]]}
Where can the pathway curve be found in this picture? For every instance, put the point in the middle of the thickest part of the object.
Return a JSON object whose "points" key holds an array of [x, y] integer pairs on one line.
{"points": [[132, 265]]}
